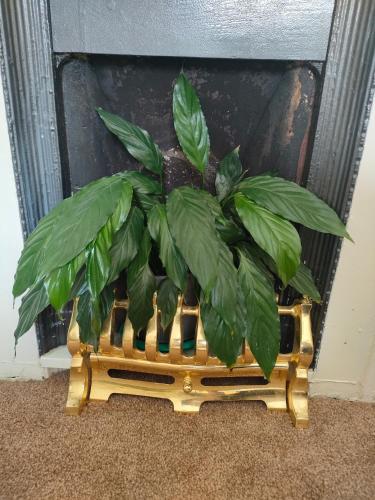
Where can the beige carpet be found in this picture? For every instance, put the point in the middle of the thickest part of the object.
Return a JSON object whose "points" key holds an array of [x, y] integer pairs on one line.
{"points": [[137, 448]]}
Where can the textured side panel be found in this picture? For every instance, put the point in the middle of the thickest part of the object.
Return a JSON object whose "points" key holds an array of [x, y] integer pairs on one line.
{"points": [[29, 94], [257, 29], [27, 75], [346, 100]]}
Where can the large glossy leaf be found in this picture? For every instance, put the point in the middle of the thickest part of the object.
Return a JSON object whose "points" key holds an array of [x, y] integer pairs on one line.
{"points": [[228, 230], [91, 314], [136, 140], [168, 252], [224, 292], [123, 206], [32, 255], [228, 174], [193, 229], [98, 266], [167, 302], [190, 124], [80, 284], [147, 201], [89, 319], [274, 235], [293, 202], [262, 325], [80, 219], [126, 243], [60, 281], [303, 282], [224, 342], [142, 184], [33, 303], [141, 286]]}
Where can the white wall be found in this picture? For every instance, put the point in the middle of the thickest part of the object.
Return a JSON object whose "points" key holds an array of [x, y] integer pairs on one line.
{"points": [[26, 363], [346, 364]]}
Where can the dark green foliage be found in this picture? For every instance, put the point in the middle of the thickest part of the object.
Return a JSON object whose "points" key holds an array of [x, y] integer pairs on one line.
{"points": [[33, 303], [169, 254], [190, 124], [228, 174], [136, 140], [141, 286], [261, 319], [167, 301], [274, 235]]}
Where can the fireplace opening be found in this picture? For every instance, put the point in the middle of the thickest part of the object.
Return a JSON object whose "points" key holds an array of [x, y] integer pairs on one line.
{"points": [[265, 107], [268, 108]]}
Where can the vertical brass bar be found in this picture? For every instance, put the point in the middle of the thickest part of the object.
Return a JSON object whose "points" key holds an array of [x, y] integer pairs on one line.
{"points": [[247, 354], [201, 349], [151, 344], [128, 339], [175, 341], [105, 336]]}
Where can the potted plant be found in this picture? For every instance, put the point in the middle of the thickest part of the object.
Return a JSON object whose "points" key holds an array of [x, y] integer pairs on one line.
{"points": [[237, 244]]}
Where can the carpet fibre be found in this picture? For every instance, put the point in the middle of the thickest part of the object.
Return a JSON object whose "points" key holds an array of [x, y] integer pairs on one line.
{"points": [[138, 448]]}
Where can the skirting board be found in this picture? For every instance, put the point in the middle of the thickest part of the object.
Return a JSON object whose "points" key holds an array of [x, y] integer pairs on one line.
{"points": [[25, 371], [339, 389]]}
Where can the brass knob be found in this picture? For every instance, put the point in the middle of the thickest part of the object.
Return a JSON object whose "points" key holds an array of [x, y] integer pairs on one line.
{"points": [[188, 384]]}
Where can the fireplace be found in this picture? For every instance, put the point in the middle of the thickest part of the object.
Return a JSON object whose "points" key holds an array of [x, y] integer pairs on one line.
{"points": [[273, 78]]}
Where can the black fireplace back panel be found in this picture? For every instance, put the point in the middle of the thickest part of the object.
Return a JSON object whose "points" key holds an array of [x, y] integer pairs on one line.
{"points": [[265, 107]]}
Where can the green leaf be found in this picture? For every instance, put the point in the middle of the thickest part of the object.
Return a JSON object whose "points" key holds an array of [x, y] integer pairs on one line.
{"points": [[224, 293], [123, 206], [80, 284], [222, 341], [303, 282], [147, 201], [107, 298], [142, 184], [228, 174], [33, 303], [273, 234], [193, 229], [126, 243], [33, 253], [141, 286], [89, 319], [168, 252], [136, 140], [79, 220], [228, 230], [167, 302], [91, 314], [98, 266], [293, 202], [60, 281], [262, 324], [190, 124]]}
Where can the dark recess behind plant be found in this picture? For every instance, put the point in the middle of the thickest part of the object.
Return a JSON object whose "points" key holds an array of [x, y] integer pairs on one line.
{"points": [[267, 107]]}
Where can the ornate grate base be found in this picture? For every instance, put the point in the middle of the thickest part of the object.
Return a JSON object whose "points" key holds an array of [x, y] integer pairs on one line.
{"points": [[193, 377]]}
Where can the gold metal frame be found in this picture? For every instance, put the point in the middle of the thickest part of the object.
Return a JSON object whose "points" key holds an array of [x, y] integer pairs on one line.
{"points": [[90, 381]]}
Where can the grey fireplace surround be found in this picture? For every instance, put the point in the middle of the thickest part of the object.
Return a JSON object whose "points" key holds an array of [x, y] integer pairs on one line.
{"points": [[338, 36]]}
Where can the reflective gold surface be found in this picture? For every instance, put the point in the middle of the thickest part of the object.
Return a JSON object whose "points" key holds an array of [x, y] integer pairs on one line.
{"points": [[90, 381]]}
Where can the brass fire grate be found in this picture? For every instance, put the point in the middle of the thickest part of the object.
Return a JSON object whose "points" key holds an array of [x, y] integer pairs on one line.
{"points": [[91, 380]]}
